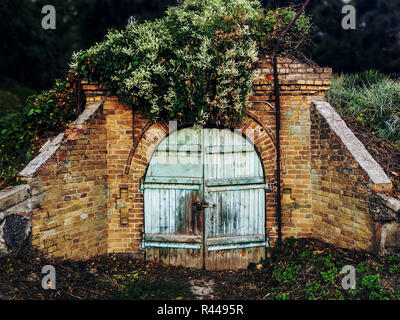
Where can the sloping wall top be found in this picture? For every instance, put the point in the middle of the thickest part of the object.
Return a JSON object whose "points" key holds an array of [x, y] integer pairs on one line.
{"points": [[356, 148]]}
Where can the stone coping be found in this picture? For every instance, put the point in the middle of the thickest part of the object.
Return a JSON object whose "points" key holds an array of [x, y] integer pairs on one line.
{"points": [[86, 114], [356, 148], [14, 196], [390, 202], [51, 146]]}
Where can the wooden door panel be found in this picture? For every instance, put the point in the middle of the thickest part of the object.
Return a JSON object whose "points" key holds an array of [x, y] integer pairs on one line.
{"points": [[170, 211], [204, 197], [233, 259], [234, 187], [236, 213], [173, 228], [190, 258]]}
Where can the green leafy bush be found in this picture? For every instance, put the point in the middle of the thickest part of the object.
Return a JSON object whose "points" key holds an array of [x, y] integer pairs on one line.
{"points": [[196, 63], [372, 98], [43, 114]]}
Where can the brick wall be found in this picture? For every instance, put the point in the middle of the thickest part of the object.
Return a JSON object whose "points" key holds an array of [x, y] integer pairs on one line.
{"points": [[70, 175], [131, 139], [345, 180], [15, 221], [90, 179], [300, 84], [85, 183]]}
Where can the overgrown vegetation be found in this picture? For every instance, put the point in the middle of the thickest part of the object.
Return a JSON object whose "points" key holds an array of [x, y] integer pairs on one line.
{"points": [[41, 116], [371, 97], [302, 269], [308, 269], [197, 62]]}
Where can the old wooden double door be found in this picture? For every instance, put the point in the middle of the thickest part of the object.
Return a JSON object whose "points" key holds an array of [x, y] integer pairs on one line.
{"points": [[204, 201]]}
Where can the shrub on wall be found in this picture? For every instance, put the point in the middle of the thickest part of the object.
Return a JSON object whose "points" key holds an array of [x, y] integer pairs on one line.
{"points": [[196, 63]]}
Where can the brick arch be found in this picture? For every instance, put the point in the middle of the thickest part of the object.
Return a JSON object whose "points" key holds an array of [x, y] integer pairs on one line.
{"points": [[251, 129], [251, 118]]}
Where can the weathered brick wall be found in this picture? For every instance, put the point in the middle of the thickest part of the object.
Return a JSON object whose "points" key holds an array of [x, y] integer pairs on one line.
{"points": [[386, 214], [90, 181], [300, 84], [71, 220], [345, 179], [131, 139], [15, 221], [85, 185]]}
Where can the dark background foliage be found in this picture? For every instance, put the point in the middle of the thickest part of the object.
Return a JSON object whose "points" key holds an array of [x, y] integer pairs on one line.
{"points": [[31, 58]]}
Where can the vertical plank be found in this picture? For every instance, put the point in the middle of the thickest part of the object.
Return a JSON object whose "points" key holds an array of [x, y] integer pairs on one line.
{"points": [[156, 210], [163, 211], [171, 211]]}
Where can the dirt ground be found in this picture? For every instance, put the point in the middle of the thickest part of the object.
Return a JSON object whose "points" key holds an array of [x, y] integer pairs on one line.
{"points": [[301, 269], [385, 153]]}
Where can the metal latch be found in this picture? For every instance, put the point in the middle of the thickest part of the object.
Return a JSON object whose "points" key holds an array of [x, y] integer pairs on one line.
{"points": [[202, 205]]}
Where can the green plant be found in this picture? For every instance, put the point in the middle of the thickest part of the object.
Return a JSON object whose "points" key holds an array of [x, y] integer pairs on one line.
{"points": [[394, 269], [327, 261], [286, 274], [329, 276], [395, 293], [131, 276], [352, 292], [362, 268], [371, 283], [282, 296], [195, 63], [42, 115], [339, 295], [393, 259], [306, 255], [313, 290], [371, 97]]}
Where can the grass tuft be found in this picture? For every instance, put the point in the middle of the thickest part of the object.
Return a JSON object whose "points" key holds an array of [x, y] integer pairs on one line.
{"points": [[371, 97]]}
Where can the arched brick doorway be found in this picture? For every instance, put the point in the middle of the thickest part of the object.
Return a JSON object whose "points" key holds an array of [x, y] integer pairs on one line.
{"points": [[204, 200]]}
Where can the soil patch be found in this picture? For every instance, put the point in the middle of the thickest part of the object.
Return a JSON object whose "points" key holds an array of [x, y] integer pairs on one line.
{"points": [[300, 269], [385, 153]]}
